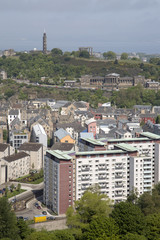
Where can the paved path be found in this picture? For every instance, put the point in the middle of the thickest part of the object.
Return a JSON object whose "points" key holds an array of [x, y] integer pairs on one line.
{"points": [[51, 225]]}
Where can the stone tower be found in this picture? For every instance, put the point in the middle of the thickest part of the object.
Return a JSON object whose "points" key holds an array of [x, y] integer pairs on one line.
{"points": [[44, 43]]}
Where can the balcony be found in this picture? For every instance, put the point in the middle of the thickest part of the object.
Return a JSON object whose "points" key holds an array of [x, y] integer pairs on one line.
{"points": [[85, 178], [101, 177], [119, 186], [118, 176], [85, 169]]}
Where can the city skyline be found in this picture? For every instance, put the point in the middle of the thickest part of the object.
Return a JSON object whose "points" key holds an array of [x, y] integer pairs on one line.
{"points": [[120, 26]]}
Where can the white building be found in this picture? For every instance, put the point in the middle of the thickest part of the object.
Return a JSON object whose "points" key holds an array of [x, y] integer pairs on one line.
{"points": [[13, 113], [14, 166], [39, 135]]}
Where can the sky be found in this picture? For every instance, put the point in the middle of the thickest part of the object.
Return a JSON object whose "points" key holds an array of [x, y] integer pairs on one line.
{"points": [[116, 25]]}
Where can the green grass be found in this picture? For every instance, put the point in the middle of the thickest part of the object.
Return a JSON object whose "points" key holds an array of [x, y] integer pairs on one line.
{"points": [[36, 181], [21, 178], [14, 193]]}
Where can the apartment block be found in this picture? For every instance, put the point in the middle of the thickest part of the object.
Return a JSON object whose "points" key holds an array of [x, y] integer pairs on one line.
{"points": [[58, 181], [116, 165]]}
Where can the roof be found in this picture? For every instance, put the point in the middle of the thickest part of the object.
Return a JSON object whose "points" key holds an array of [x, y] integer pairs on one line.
{"points": [[62, 146], [75, 125], [150, 135], [90, 121], [39, 129], [126, 147], [30, 146], [100, 152], [86, 135], [128, 139], [16, 156], [13, 112], [3, 147], [59, 154], [61, 133], [93, 141]]}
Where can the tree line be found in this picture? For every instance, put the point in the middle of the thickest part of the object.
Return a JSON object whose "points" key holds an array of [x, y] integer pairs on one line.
{"points": [[94, 217]]}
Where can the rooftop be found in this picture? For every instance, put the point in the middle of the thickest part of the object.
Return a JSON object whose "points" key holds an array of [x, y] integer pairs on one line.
{"points": [[126, 147], [59, 154], [30, 146], [93, 141], [100, 152], [150, 135], [16, 156]]}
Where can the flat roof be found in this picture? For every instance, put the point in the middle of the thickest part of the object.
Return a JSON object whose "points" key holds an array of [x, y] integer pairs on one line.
{"points": [[128, 139], [94, 141], [126, 147], [150, 135], [59, 154], [100, 152]]}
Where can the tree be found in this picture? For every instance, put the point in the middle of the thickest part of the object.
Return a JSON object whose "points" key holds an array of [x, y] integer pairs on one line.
{"points": [[91, 204], [18, 187], [128, 217], [56, 51], [23, 229], [153, 226], [146, 203], [12, 187], [102, 226], [109, 55], [8, 227], [134, 236], [5, 134], [158, 119], [84, 54], [124, 56]]}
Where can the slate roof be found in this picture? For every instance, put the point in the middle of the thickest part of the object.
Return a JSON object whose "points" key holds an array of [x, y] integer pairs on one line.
{"points": [[30, 147], [76, 125], [61, 133], [16, 156], [3, 147], [62, 146], [13, 112]]}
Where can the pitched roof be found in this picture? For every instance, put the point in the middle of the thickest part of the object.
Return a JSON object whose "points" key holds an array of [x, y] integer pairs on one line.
{"points": [[62, 146], [30, 147], [13, 112], [16, 156], [61, 133], [3, 147]]}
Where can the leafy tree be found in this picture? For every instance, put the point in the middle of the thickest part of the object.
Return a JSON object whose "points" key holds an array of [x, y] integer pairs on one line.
{"points": [[104, 227], [84, 54], [56, 51], [12, 187], [5, 134], [91, 204], [128, 217], [124, 56], [23, 229], [109, 55], [134, 236], [8, 227], [18, 187], [146, 203], [153, 226], [158, 119], [8, 93]]}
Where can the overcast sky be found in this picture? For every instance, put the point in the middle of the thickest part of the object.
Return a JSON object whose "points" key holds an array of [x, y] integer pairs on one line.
{"points": [[117, 25]]}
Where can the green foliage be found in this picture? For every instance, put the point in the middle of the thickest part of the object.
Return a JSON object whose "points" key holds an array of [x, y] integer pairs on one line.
{"points": [[153, 226], [8, 227], [158, 119], [8, 93], [57, 51], [134, 236], [84, 54], [103, 227], [124, 56], [128, 217], [92, 204], [109, 55], [23, 229], [5, 134]]}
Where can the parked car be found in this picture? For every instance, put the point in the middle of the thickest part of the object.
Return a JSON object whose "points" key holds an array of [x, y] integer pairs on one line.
{"points": [[38, 207], [25, 218], [36, 204], [20, 217], [51, 218], [44, 213]]}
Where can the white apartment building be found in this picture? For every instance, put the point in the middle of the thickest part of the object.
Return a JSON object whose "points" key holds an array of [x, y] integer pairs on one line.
{"points": [[39, 135], [116, 165]]}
